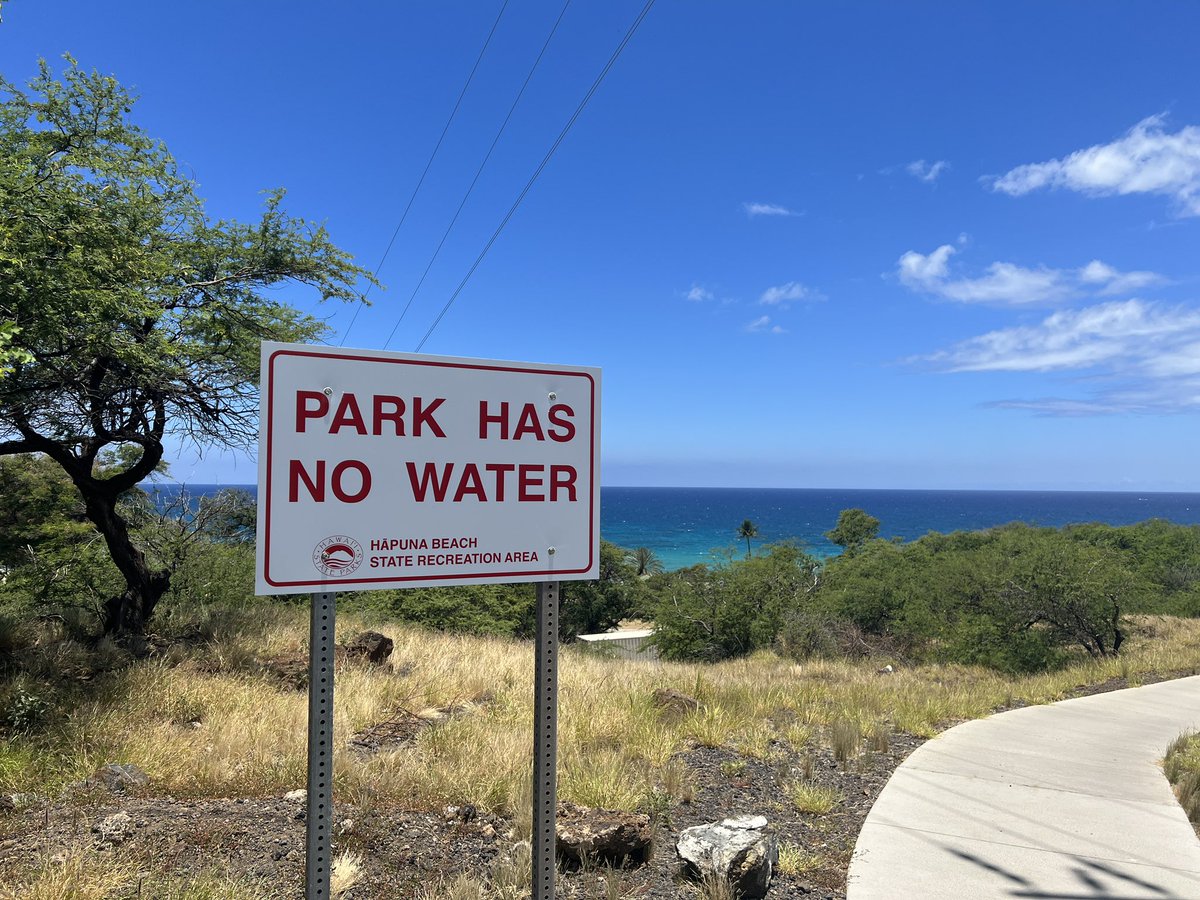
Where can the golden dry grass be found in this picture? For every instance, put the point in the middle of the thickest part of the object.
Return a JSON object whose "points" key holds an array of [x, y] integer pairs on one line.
{"points": [[615, 747]]}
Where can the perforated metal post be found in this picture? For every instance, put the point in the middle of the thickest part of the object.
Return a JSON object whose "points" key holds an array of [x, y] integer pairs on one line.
{"points": [[545, 741], [319, 818]]}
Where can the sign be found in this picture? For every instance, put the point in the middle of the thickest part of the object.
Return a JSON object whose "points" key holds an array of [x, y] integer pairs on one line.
{"points": [[386, 470]]}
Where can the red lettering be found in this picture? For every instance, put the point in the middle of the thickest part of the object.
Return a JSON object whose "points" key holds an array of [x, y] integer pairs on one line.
{"points": [[305, 412], [485, 420], [428, 480], [469, 483], [501, 470], [395, 415], [529, 422], [557, 411], [297, 473], [348, 414], [424, 416], [364, 476], [525, 481], [562, 477]]}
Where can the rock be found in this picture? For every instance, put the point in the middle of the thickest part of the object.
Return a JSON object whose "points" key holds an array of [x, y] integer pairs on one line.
{"points": [[673, 702], [300, 795], [114, 829], [743, 850], [886, 670], [119, 777], [372, 646], [603, 836]]}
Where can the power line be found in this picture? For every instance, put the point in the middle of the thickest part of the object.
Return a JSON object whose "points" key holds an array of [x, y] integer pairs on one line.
{"points": [[538, 171], [478, 172], [420, 181]]}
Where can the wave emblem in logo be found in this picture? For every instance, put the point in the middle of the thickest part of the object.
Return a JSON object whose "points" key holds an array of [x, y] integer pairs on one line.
{"points": [[337, 556]]}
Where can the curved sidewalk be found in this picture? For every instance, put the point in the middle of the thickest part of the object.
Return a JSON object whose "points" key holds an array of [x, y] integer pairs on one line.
{"points": [[1058, 802]]}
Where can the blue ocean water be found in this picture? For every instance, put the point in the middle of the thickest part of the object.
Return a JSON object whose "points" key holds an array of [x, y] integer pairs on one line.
{"points": [[685, 526]]}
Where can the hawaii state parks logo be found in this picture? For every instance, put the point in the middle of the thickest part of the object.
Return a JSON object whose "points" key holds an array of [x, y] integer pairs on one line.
{"points": [[337, 556]]}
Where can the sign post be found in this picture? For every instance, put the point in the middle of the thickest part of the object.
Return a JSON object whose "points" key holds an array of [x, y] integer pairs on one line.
{"points": [[391, 470], [545, 741], [318, 821]]}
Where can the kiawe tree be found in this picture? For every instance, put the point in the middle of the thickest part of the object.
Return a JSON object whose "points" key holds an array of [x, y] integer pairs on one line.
{"points": [[127, 315], [854, 528]]}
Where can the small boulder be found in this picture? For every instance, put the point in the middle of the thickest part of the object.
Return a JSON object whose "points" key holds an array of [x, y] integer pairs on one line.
{"points": [[119, 777], [591, 836], [743, 850], [371, 646], [114, 829], [300, 795]]}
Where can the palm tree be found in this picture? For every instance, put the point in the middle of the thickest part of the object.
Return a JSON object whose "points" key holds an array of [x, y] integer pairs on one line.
{"points": [[646, 561], [747, 531]]}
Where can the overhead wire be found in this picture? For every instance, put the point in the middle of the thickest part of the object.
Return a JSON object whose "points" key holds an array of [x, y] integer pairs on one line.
{"points": [[428, 164], [478, 172], [538, 171]]}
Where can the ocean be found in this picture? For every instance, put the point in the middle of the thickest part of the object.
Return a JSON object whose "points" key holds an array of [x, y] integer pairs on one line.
{"points": [[685, 526]]}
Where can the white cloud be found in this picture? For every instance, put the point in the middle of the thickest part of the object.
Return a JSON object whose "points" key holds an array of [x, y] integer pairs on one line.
{"points": [[1003, 283], [927, 172], [782, 294], [763, 324], [1126, 337], [698, 294], [767, 209], [1145, 160], [1008, 284], [1110, 281]]}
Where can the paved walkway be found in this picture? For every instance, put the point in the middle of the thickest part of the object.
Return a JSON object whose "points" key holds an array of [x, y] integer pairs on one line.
{"points": [[1059, 802]]}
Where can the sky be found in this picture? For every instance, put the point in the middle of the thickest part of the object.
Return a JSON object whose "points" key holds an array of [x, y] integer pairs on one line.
{"points": [[859, 245]]}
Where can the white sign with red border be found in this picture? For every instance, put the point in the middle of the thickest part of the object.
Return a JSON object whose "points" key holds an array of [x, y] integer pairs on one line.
{"points": [[386, 470]]}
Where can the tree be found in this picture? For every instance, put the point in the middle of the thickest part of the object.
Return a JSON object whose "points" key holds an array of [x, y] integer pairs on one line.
{"points": [[747, 530], [854, 529], [645, 561], [129, 314]]}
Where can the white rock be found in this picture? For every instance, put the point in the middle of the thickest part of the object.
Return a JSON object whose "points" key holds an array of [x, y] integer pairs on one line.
{"points": [[297, 796], [741, 849]]}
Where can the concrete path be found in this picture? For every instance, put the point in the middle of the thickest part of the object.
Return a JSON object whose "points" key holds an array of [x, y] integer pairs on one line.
{"points": [[1059, 802]]}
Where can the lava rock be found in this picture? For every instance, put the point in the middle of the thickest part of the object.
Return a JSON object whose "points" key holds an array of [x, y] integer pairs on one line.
{"points": [[619, 839], [372, 646], [743, 850]]}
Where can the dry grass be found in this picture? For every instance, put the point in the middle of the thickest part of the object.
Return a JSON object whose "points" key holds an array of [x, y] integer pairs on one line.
{"points": [[83, 873], [615, 747], [1182, 768], [810, 797]]}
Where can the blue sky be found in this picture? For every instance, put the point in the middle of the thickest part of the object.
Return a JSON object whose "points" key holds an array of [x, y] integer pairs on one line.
{"points": [[927, 245]]}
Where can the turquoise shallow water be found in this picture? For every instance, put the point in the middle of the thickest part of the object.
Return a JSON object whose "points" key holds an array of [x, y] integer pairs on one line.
{"points": [[685, 526]]}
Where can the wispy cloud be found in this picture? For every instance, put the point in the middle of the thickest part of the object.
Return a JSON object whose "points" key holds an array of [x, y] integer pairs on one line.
{"points": [[698, 294], [927, 172], [1008, 284], [1147, 159], [763, 324], [1130, 331], [1144, 356], [767, 209], [792, 291]]}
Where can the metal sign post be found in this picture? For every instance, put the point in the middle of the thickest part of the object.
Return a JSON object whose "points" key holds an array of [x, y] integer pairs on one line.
{"points": [[545, 741], [319, 818]]}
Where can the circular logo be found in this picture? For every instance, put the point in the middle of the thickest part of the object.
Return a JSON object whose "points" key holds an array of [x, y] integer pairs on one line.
{"points": [[337, 556]]}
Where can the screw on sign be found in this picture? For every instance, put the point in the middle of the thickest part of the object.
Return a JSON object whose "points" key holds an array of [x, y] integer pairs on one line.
{"points": [[389, 470]]}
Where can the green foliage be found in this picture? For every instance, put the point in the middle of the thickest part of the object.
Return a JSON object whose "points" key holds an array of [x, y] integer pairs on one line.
{"points": [[1014, 598], [592, 606], [853, 530], [714, 613], [126, 313]]}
